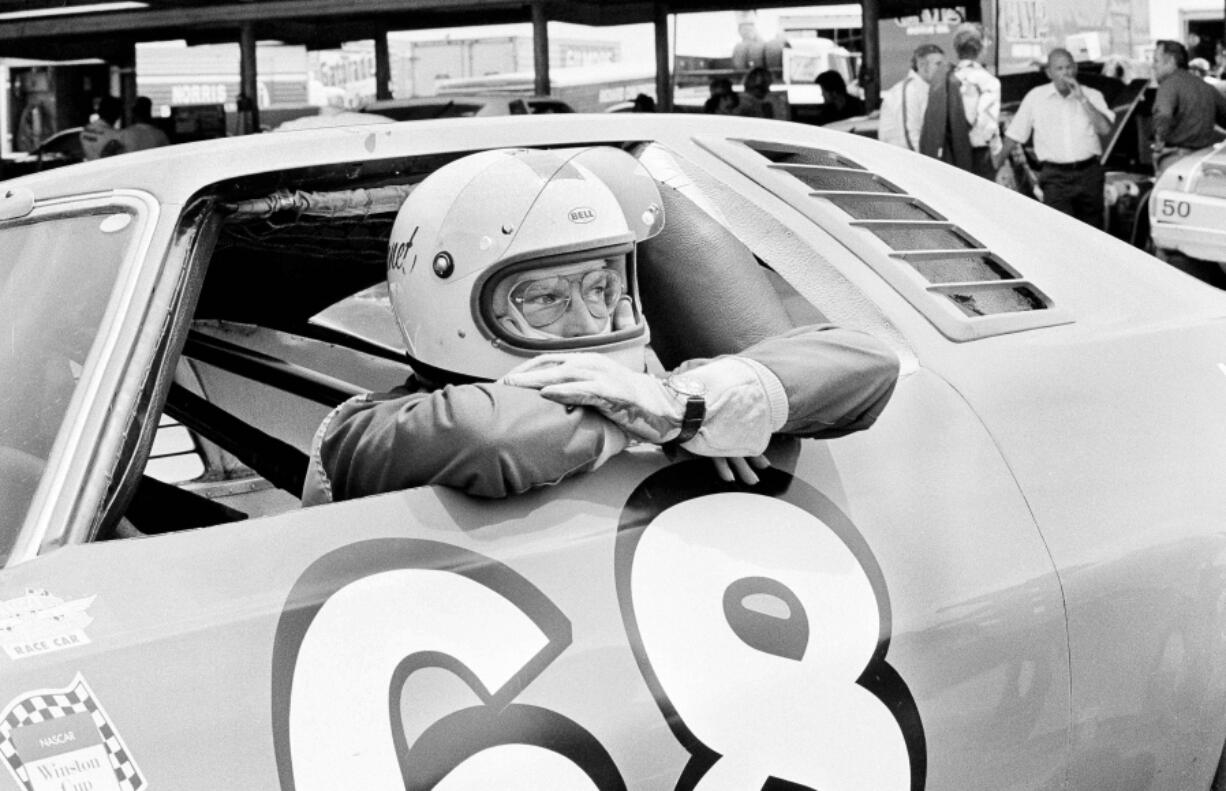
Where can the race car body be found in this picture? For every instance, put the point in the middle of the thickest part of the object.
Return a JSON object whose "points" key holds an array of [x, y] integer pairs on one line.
{"points": [[1187, 209], [1013, 580]]}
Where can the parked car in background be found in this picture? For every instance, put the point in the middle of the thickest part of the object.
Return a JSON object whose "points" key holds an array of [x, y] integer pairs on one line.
{"points": [[62, 148], [425, 108], [1187, 214]]}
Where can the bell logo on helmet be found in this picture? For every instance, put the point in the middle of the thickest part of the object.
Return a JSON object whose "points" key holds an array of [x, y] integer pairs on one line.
{"points": [[582, 215]]}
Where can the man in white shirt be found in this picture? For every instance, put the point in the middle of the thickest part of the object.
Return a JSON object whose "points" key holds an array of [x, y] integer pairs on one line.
{"points": [[1068, 122], [980, 98], [904, 104]]}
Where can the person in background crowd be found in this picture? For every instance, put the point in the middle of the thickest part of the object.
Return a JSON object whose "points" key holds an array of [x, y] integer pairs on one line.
{"points": [[1200, 46], [837, 104], [945, 134], [644, 104], [980, 99], [905, 103], [101, 137], [1185, 107], [754, 100], [722, 100], [1068, 122], [142, 134], [1199, 67]]}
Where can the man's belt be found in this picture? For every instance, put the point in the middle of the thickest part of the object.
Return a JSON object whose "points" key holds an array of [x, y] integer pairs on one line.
{"points": [[1079, 165]]}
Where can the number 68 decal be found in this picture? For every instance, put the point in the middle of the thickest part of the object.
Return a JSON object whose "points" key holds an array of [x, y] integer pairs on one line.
{"points": [[758, 618], [359, 624]]}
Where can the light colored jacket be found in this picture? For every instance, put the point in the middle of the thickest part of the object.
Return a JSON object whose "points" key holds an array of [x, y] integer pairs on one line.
{"points": [[981, 99], [902, 112]]}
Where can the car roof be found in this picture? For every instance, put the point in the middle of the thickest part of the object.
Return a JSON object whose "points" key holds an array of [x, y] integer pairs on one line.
{"points": [[1102, 280]]}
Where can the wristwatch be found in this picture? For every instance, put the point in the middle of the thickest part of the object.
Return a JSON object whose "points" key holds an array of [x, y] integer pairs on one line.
{"points": [[694, 393]]}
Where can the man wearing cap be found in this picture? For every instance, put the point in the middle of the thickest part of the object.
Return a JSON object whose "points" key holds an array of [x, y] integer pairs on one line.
{"points": [[1185, 107], [980, 99], [1068, 121], [522, 322]]}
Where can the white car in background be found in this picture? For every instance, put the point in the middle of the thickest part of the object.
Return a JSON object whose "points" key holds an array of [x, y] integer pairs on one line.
{"points": [[1187, 213]]}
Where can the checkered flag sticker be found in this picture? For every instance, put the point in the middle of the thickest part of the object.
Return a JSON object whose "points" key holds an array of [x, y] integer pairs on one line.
{"points": [[49, 705]]}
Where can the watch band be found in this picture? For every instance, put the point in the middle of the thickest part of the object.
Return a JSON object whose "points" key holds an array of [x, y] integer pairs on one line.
{"points": [[691, 420]]}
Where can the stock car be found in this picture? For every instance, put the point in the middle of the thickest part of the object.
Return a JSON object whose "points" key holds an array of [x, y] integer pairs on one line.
{"points": [[1014, 580]]}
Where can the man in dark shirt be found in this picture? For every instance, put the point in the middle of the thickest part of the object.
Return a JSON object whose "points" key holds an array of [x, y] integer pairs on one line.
{"points": [[837, 103], [1185, 107]]}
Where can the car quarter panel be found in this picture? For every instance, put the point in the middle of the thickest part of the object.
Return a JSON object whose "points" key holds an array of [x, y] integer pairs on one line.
{"points": [[1132, 415]]}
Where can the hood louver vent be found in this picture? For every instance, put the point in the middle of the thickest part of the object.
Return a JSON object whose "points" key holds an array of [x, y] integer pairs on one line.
{"points": [[965, 289]]}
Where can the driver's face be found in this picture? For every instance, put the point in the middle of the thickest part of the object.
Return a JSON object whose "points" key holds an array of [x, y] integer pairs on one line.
{"points": [[581, 298]]}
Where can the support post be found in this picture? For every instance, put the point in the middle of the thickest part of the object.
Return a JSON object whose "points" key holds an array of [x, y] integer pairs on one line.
{"points": [[126, 64], [870, 66], [383, 67], [664, 80], [540, 47], [249, 90]]}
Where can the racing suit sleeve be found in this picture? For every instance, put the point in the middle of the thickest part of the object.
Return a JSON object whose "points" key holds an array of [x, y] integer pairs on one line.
{"points": [[487, 440], [836, 380]]}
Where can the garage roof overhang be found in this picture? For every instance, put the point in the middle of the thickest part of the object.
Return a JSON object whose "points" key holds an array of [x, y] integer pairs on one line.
{"points": [[318, 24]]}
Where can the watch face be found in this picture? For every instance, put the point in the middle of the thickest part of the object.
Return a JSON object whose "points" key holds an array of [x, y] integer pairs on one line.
{"points": [[686, 386]]}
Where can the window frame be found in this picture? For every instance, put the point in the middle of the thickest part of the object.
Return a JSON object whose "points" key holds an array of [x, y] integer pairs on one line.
{"points": [[61, 502]]}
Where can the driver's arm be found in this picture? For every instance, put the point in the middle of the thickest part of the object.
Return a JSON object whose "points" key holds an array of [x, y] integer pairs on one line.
{"points": [[836, 380], [487, 440]]}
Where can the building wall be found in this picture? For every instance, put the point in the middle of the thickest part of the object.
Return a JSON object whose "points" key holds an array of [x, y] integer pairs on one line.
{"points": [[1168, 18], [346, 76], [175, 75]]}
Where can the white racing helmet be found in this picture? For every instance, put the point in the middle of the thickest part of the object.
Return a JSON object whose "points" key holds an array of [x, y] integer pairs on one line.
{"points": [[501, 255]]}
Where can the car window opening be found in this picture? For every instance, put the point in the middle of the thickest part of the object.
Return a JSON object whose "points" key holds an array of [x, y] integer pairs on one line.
{"points": [[293, 318]]}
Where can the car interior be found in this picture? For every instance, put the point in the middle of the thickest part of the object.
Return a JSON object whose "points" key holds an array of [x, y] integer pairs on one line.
{"points": [[292, 317]]}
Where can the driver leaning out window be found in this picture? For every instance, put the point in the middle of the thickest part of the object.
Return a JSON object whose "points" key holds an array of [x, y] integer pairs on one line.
{"points": [[512, 277]]}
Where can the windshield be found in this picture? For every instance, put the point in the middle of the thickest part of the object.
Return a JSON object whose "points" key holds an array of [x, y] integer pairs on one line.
{"points": [[56, 277]]}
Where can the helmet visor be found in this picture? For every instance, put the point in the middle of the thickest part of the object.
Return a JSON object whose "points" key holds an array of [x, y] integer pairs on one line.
{"points": [[579, 300]]}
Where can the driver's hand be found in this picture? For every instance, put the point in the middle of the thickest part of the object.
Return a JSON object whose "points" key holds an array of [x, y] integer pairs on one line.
{"points": [[734, 468], [637, 403]]}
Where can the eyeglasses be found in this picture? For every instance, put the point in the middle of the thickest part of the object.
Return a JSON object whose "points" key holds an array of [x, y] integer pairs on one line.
{"points": [[544, 300]]}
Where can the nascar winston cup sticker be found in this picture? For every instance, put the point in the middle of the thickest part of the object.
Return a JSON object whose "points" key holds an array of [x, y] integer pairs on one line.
{"points": [[61, 739]]}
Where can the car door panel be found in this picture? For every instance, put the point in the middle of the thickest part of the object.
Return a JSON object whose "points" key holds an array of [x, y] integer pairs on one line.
{"points": [[197, 646]]}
